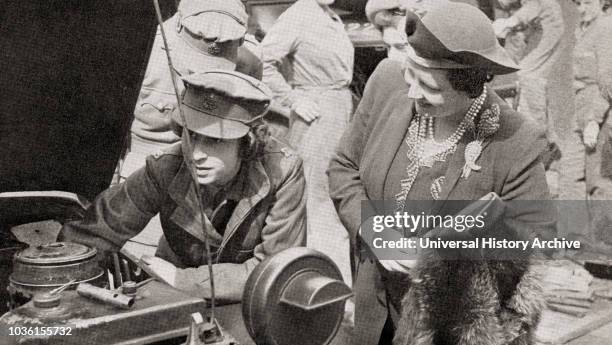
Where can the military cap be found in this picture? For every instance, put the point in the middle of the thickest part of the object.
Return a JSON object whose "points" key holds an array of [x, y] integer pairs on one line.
{"points": [[218, 20], [222, 104], [456, 35]]}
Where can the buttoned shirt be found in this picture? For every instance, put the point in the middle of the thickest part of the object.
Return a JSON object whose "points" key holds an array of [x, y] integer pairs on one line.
{"points": [[318, 47]]}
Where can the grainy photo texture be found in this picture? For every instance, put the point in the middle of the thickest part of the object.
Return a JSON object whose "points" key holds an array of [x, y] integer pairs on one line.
{"points": [[345, 172]]}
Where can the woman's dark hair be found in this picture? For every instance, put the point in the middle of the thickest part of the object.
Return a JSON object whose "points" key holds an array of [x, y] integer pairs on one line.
{"points": [[252, 145], [469, 80]]}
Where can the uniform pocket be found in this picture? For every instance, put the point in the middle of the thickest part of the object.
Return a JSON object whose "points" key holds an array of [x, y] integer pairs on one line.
{"points": [[156, 113]]}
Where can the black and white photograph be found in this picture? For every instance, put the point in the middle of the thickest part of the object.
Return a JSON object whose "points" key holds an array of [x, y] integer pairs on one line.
{"points": [[316, 172]]}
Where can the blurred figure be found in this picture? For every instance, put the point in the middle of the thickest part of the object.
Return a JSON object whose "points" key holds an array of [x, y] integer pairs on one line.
{"points": [[533, 35], [309, 43], [389, 17], [591, 155]]}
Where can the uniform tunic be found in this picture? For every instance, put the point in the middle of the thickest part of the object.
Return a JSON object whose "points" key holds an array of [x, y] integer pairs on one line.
{"points": [[266, 215], [152, 127], [542, 27], [314, 46]]}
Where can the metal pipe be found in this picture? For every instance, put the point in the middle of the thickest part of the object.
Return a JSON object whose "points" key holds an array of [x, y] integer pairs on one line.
{"points": [[105, 296]]}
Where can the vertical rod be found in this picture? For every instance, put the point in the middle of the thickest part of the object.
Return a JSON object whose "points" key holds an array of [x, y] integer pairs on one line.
{"points": [[188, 156]]}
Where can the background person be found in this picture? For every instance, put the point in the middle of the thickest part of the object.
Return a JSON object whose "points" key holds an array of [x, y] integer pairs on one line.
{"points": [[309, 41], [388, 16], [409, 140], [534, 34], [586, 173], [253, 192], [202, 35]]}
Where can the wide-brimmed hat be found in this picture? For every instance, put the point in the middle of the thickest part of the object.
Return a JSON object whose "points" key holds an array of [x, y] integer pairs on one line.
{"points": [[456, 35], [222, 104]]}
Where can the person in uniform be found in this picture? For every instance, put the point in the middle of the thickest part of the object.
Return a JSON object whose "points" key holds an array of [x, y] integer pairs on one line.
{"points": [[202, 35], [252, 190], [534, 36], [587, 172], [310, 42], [387, 16], [430, 129]]}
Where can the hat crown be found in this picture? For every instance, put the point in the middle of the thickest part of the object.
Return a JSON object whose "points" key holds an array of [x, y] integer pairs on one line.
{"points": [[456, 35], [221, 20], [188, 8], [231, 84], [461, 27], [221, 103]]}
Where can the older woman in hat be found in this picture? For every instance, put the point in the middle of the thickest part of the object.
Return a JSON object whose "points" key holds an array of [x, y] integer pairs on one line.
{"points": [[252, 192], [430, 129]]}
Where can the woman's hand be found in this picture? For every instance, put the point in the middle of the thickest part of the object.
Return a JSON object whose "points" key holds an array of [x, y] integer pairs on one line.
{"points": [[409, 255], [307, 109], [591, 131]]}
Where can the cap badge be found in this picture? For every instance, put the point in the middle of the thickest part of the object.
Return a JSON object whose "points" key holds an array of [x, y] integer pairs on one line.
{"points": [[209, 103], [214, 49]]}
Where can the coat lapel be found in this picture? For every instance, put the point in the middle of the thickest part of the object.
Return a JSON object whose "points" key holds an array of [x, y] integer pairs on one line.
{"points": [[256, 187], [187, 213], [390, 137], [455, 166]]}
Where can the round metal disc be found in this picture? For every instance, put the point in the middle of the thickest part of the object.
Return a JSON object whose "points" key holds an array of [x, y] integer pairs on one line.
{"points": [[272, 323], [55, 253]]}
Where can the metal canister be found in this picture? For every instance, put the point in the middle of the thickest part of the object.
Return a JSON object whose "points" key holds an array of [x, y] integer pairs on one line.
{"points": [[43, 268]]}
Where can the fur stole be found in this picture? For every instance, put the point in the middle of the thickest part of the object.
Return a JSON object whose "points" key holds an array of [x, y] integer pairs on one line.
{"points": [[461, 302]]}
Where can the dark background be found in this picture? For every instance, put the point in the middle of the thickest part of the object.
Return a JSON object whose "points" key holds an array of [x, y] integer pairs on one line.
{"points": [[70, 73]]}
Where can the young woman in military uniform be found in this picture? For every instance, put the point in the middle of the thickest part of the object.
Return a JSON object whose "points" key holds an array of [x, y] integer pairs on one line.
{"points": [[252, 189]]}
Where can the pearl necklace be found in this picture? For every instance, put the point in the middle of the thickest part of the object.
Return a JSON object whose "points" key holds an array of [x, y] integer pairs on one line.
{"points": [[424, 154], [430, 151]]}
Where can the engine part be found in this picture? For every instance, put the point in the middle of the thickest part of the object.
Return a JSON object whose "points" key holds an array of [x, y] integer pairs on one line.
{"points": [[47, 267], [164, 314], [109, 297], [208, 332], [295, 297]]}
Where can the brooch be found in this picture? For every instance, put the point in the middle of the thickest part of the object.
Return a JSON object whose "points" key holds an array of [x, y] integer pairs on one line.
{"points": [[436, 187], [487, 126]]}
